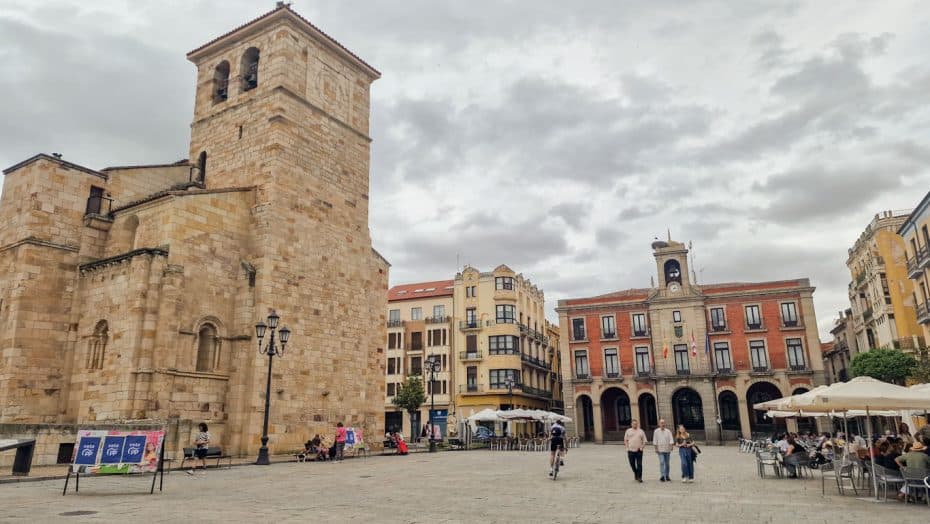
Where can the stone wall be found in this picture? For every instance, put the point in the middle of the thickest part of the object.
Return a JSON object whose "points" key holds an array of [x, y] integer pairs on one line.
{"points": [[128, 184]]}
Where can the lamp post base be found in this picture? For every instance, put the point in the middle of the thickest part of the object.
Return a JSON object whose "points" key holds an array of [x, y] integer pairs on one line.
{"points": [[263, 459]]}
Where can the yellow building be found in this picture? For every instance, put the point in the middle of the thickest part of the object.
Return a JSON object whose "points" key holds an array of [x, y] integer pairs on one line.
{"points": [[917, 241], [506, 352], [881, 295], [419, 329]]}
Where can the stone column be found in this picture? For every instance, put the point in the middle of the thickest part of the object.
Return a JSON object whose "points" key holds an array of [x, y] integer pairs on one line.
{"points": [[598, 423], [744, 408]]}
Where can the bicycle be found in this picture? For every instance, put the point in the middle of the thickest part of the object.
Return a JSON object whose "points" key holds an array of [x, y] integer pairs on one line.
{"points": [[555, 468]]}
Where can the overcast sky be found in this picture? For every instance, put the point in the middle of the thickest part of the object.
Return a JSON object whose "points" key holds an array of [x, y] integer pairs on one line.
{"points": [[554, 139]]}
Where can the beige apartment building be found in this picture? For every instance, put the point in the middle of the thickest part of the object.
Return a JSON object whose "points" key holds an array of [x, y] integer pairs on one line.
{"points": [[841, 350], [914, 231], [881, 296], [129, 295], [419, 328], [507, 351]]}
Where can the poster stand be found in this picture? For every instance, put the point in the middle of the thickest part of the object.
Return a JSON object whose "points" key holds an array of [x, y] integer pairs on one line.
{"points": [[157, 474]]}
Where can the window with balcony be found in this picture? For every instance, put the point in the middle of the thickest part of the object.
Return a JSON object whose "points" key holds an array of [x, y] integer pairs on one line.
{"points": [[722, 358], [471, 317], [611, 363], [753, 317], [676, 316], [643, 366], [789, 314], [581, 365], [503, 283], [498, 377], [578, 331], [795, 354], [682, 364], [758, 356], [439, 312], [608, 327], [416, 313], [471, 378], [506, 314], [416, 341], [639, 325], [718, 319], [394, 317], [502, 345]]}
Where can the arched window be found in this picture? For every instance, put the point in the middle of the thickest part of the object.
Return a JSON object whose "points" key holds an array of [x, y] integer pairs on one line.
{"points": [[672, 272], [221, 82], [97, 345], [131, 229], [207, 344], [729, 411], [248, 69]]}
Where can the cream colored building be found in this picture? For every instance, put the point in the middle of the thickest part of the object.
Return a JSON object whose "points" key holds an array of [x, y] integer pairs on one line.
{"points": [[419, 327], [128, 296], [914, 231], [844, 348], [502, 333], [881, 296]]}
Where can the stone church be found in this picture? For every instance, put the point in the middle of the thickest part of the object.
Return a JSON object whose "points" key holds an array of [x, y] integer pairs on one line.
{"points": [[129, 295]]}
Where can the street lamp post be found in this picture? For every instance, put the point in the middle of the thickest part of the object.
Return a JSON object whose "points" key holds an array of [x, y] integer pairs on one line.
{"points": [[510, 382], [271, 350], [435, 365]]}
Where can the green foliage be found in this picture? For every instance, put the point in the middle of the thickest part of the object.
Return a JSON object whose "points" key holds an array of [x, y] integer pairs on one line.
{"points": [[921, 373], [889, 365], [410, 395]]}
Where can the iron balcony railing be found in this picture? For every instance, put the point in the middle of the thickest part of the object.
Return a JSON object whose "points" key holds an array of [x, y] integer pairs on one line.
{"points": [[465, 325], [582, 376], [753, 326], [438, 320], [791, 323], [471, 388], [395, 323], [643, 373], [718, 327], [609, 336], [760, 369], [641, 333], [612, 374], [530, 390], [798, 367], [533, 360], [471, 355], [98, 205], [683, 372]]}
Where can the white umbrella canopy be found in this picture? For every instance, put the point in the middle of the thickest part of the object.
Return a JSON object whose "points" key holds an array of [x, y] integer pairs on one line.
{"points": [[555, 417], [786, 404], [486, 415], [862, 393], [519, 414]]}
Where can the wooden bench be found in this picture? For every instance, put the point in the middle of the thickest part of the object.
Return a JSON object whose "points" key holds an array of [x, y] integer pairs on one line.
{"points": [[212, 453]]}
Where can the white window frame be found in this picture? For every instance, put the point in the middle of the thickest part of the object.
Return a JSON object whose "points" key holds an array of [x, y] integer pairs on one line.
{"points": [[616, 333], [571, 329], [607, 371]]}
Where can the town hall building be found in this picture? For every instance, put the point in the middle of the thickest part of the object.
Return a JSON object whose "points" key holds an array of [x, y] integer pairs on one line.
{"points": [[129, 295]]}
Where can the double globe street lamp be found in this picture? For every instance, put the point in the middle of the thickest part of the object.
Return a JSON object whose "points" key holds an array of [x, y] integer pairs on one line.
{"points": [[435, 366], [271, 350]]}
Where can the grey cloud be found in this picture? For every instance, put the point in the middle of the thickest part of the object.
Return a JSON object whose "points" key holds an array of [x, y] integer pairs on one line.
{"points": [[572, 213]]}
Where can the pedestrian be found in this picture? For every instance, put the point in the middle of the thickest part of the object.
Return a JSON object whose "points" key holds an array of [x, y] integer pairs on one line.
{"points": [[664, 441], [340, 440], [201, 443], [685, 453], [635, 441]]}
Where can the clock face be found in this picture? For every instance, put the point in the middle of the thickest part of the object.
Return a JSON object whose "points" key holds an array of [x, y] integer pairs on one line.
{"points": [[674, 287]]}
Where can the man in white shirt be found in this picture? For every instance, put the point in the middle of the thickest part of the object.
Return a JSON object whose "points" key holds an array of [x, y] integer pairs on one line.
{"points": [[635, 441], [664, 442]]}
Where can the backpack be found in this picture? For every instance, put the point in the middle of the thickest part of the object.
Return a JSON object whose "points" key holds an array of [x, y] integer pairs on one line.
{"points": [[557, 431]]}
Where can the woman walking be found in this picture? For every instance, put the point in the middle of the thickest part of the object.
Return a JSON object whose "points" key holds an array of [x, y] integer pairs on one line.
{"points": [[686, 453]]}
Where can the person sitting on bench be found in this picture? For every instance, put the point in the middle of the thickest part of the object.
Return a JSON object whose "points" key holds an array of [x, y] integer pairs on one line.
{"points": [[202, 442]]}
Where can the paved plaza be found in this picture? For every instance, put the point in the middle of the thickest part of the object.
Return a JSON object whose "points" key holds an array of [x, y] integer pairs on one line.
{"points": [[474, 486]]}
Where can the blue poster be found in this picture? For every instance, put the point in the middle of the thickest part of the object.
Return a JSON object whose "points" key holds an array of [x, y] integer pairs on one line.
{"points": [[350, 437], [87, 451], [112, 450], [132, 450]]}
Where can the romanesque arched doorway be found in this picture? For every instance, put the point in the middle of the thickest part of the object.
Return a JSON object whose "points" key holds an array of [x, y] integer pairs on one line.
{"points": [[616, 413], [648, 415], [688, 409], [759, 423], [584, 409]]}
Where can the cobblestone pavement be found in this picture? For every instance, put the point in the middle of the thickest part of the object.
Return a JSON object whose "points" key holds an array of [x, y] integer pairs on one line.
{"points": [[474, 486]]}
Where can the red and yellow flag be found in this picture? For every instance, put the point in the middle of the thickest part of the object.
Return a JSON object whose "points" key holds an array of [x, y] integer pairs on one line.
{"points": [[665, 349]]}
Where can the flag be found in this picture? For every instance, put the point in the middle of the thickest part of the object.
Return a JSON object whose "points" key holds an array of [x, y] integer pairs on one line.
{"points": [[665, 349], [693, 345]]}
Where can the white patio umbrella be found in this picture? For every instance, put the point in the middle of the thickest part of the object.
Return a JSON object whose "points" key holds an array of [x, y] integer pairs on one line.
{"points": [[486, 415], [865, 393], [785, 403]]}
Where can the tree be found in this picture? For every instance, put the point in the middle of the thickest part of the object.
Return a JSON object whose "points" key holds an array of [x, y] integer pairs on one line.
{"points": [[889, 365], [921, 372], [410, 396]]}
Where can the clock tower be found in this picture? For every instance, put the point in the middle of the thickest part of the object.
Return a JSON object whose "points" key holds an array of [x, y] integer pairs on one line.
{"points": [[672, 267]]}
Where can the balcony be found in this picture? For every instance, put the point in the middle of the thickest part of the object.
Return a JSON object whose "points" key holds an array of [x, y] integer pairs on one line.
{"points": [[471, 355], [682, 372], [475, 325], [534, 361], [718, 328], [725, 372], [529, 390], [761, 369], [867, 314], [644, 373], [918, 263], [471, 388], [608, 336], [613, 376], [753, 327], [497, 352], [640, 333], [798, 367], [582, 377], [923, 313], [98, 205], [790, 323], [395, 323], [438, 320]]}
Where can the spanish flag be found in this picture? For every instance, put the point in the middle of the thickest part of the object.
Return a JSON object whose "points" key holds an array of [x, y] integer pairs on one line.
{"points": [[665, 349]]}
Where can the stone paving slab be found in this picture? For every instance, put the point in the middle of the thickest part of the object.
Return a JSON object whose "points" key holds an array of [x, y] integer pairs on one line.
{"points": [[465, 486]]}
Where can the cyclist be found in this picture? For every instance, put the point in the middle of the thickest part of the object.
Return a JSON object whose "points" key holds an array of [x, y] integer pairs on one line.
{"points": [[556, 445]]}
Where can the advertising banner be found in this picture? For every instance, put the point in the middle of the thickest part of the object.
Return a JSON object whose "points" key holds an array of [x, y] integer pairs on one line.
{"points": [[103, 452]]}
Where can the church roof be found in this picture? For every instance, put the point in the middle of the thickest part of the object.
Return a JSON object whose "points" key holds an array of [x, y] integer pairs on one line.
{"points": [[65, 163], [284, 9]]}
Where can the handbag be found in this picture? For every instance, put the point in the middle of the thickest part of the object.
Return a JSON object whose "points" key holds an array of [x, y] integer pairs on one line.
{"points": [[696, 449]]}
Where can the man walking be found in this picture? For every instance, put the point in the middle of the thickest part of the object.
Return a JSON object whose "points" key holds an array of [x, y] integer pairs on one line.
{"points": [[635, 441], [664, 441]]}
